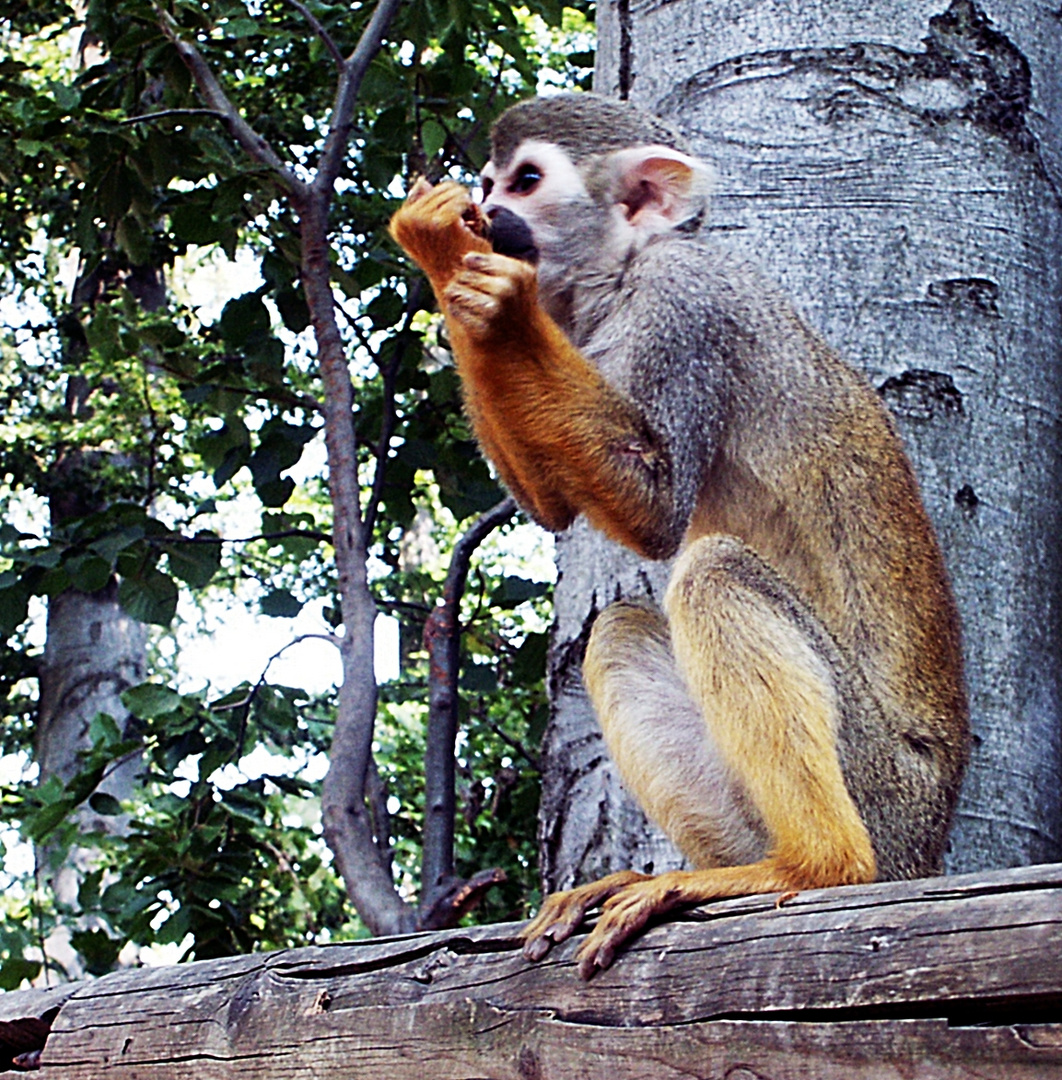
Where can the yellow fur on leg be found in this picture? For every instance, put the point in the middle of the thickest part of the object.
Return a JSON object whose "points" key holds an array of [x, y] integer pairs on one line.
{"points": [[770, 688], [769, 684]]}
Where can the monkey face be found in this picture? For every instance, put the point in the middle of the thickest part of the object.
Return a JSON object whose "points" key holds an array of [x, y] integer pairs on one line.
{"points": [[578, 219], [540, 211]]}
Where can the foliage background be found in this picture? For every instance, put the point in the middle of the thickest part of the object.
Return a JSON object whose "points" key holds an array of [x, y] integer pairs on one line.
{"points": [[157, 450]]}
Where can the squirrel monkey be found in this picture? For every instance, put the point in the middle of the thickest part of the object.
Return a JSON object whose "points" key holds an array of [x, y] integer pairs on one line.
{"points": [[795, 717]]}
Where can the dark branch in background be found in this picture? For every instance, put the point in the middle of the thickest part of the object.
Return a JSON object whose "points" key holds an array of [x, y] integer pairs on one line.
{"points": [[442, 639], [381, 816], [320, 31], [514, 744], [454, 902]]}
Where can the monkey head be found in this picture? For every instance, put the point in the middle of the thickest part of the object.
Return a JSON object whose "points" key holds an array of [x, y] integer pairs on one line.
{"points": [[577, 184]]}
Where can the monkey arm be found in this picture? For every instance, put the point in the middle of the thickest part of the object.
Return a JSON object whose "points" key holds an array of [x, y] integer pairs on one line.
{"points": [[563, 439]]}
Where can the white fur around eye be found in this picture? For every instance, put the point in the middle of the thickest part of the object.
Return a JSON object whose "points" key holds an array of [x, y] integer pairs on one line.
{"points": [[561, 180]]}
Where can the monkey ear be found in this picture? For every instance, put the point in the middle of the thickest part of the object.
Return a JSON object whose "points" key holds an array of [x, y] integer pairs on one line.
{"points": [[658, 188]]}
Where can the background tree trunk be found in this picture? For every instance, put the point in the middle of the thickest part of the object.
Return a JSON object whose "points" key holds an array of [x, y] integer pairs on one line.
{"points": [[94, 650], [896, 168]]}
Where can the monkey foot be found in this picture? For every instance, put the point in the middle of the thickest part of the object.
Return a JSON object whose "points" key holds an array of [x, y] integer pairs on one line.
{"points": [[562, 913], [624, 915], [630, 900]]}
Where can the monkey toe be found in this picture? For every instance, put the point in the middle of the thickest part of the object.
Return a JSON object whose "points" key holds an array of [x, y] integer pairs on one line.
{"points": [[623, 917], [559, 918]]}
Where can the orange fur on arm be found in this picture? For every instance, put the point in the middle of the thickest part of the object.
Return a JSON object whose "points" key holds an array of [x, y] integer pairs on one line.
{"points": [[564, 440]]}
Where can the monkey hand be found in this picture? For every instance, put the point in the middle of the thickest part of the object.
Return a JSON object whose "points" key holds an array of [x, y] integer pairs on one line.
{"points": [[437, 226], [495, 299]]}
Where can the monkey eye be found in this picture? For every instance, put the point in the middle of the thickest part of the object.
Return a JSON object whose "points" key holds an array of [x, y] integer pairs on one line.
{"points": [[526, 179], [487, 184]]}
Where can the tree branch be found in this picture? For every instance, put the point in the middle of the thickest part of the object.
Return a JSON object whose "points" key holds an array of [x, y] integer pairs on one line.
{"points": [[347, 820], [164, 114], [254, 144], [442, 639], [354, 69]]}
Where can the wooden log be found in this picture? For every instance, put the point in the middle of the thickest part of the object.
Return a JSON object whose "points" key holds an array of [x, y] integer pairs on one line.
{"points": [[943, 978]]}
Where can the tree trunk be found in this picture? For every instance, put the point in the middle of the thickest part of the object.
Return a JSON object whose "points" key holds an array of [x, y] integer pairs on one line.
{"points": [[93, 648], [896, 168]]}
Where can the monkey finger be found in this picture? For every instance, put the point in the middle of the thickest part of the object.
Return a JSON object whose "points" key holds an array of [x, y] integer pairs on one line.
{"points": [[492, 264], [560, 917], [489, 284], [421, 187], [448, 199], [470, 306]]}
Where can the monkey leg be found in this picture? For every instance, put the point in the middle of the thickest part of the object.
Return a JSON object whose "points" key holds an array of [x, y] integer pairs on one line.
{"points": [[771, 688], [658, 739]]}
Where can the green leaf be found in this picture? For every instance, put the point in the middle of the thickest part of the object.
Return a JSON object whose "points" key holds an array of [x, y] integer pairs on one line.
{"points": [[479, 678], [237, 28], [105, 804], [279, 448], [529, 663], [150, 598], [150, 700], [88, 573], [40, 824], [293, 310], [196, 223], [515, 590], [280, 604], [103, 730], [244, 319], [432, 138], [110, 544], [195, 563], [14, 971], [14, 607], [47, 556], [385, 309], [97, 948]]}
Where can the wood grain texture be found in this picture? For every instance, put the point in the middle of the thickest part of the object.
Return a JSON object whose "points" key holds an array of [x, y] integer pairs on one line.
{"points": [[948, 977]]}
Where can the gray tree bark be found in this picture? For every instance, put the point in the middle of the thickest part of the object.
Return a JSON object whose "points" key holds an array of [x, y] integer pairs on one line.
{"points": [[897, 168]]}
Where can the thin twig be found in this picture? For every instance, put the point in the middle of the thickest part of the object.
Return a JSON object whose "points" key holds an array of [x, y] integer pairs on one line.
{"points": [[253, 692], [164, 114], [516, 745], [320, 31], [283, 534]]}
